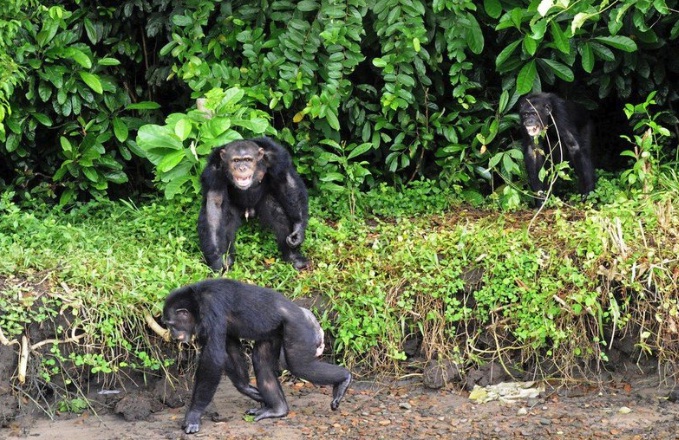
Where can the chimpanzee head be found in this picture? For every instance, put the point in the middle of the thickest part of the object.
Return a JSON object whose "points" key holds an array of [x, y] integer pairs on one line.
{"points": [[535, 113], [179, 315], [244, 163]]}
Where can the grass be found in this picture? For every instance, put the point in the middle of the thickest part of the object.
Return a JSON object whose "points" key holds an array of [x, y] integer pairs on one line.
{"points": [[463, 284]]}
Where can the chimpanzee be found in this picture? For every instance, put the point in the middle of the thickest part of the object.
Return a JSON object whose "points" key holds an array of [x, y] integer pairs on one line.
{"points": [[248, 178], [549, 124], [221, 312]]}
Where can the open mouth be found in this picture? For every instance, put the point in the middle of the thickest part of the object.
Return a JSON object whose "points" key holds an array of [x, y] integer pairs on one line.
{"points": [[243, 182], [533, 130]]}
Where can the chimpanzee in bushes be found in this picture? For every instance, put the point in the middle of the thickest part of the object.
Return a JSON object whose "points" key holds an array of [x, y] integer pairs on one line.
{"points": [[221, 312], [248, 178], [549, 126]]}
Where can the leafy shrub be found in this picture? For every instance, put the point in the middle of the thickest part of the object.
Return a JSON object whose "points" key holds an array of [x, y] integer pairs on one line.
{"points": [[179, 148]]}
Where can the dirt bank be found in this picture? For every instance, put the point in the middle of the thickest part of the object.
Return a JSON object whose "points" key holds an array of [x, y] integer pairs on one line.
{"points": [[630, 406]]}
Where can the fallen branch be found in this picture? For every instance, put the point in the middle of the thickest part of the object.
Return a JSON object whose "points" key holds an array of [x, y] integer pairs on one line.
{"points": [[23, 359], [157, 329], [5, 341]]}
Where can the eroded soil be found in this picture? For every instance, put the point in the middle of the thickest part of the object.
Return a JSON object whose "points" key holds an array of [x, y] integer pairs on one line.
{"points": [[632, 407]]}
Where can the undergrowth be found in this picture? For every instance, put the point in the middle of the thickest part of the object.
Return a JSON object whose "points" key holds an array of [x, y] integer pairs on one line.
{"points": [[464, 284]]}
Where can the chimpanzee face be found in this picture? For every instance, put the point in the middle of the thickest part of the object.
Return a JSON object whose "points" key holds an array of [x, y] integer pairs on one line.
{"points": [[535, 116], [244, 163], [181, 324]]}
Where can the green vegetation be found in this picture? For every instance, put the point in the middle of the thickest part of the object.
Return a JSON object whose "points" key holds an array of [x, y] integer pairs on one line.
{"points": [[400, 116], [472, 285], [363, 93]]}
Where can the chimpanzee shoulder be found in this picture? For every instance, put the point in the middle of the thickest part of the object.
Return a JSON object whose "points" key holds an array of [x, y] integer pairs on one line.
{"points": [[278, 159]]}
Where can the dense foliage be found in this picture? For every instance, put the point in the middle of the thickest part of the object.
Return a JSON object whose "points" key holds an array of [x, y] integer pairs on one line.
{"points": [[392, 290], [363, 92]]}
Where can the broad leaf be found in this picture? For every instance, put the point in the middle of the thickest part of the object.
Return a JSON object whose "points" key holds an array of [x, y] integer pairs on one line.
{"points": [[526, 78], [92, 81], [561, 70], [619, 42]]}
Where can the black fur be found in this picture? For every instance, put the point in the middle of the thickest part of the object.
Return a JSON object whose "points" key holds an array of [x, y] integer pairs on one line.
{"points": [[278, 197], [220, 310], [566, 132]]}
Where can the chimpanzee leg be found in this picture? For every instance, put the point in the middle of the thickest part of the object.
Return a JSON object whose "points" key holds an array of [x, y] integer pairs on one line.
{"points": [[236, 368], [208, 375], [582, 161], [265, 362], [300, 354], [272, 214], [217, 225]]}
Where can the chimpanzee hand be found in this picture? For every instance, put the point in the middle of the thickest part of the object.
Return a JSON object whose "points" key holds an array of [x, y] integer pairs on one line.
{"points": [[191, 423], [296, 237]]}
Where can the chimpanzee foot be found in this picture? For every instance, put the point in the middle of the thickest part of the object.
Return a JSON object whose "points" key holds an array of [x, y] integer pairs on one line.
{"points": [[339, 391], [268, 413], [298, 261]]}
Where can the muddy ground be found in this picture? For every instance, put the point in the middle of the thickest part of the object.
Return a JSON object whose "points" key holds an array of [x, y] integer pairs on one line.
{"points": [[628, 405]]}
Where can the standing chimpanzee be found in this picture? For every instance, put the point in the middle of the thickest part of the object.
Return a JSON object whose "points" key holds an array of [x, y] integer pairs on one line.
{"points": [[549, 124], [221, 312], [251, 178]]}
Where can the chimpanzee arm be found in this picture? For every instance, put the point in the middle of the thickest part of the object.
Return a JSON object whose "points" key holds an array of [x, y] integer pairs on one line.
{"points": [[287, 188], [208, 375], [218, 219]]}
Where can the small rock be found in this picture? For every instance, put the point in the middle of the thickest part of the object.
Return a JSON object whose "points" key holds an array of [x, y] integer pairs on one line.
{"points": [[545, 422], [624, 410], [522, 412], [405, 405]]}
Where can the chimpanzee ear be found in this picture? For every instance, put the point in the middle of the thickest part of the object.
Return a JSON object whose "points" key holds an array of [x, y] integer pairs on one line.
{"points": [[223, 155], [548, 108], [260, 154]]}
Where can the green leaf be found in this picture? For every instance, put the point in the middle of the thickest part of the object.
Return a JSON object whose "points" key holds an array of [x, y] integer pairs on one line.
{"points": [[363, 148], [91, 174], [587, 57], [152, 137], [619, 42], [559, 37], [526, 78], [474, 35], [561, 70], [307, 6], [331, 117], [175, 186], [529, 45], [91, 31], [231, 97], [92, 81], [183, 129], [579, 19], [182, 20], [42, 118], [117, 177], [255, 125], [170, 161], [506, 53], [65, 144], [504, 100], [120, 129], [143, 105], [108, 62], [78, 56], [493, 8]]}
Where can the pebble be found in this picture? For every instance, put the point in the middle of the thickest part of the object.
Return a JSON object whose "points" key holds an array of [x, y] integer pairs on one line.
{"points": [[545, 422], [405, 405], [522, 412]]}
